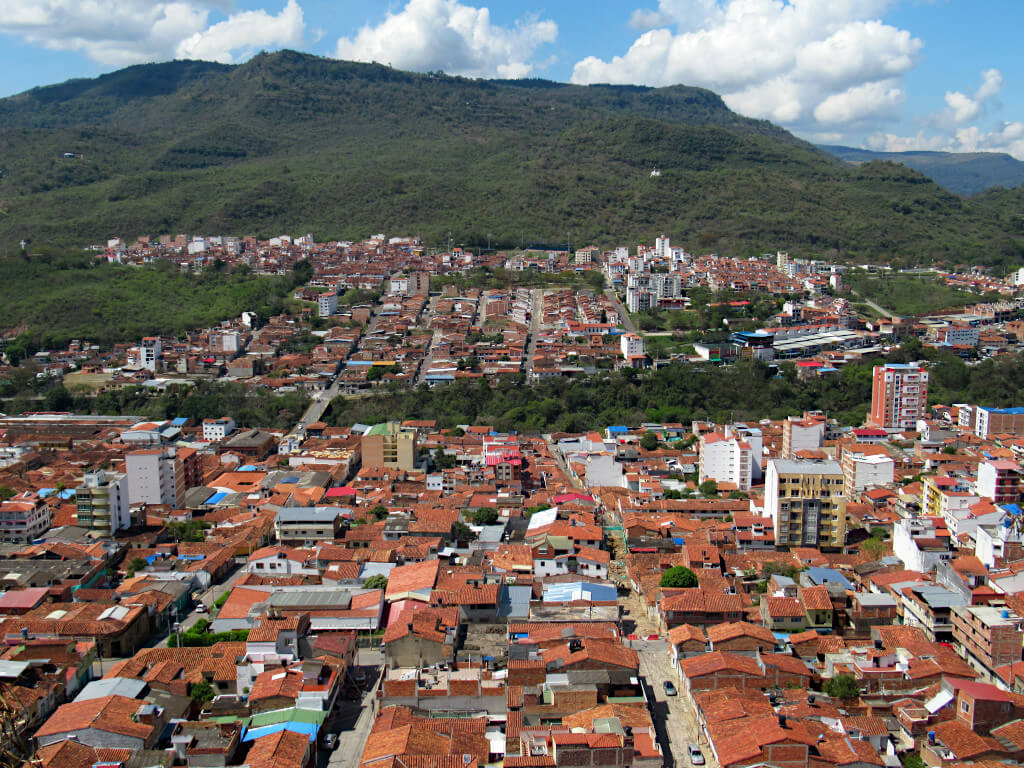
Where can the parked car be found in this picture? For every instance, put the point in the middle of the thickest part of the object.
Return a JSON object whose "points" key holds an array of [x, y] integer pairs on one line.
{"points": [[201, 608], [696, 756], [330, 741], [670, 690]]}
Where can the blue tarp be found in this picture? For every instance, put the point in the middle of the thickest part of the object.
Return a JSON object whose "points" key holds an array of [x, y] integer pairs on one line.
{"points": [[216, 498], [678, 540], [618, 429], [310, 729]]}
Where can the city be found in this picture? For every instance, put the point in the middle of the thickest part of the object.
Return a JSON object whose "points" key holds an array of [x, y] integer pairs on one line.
{"points": [[800, 591]]}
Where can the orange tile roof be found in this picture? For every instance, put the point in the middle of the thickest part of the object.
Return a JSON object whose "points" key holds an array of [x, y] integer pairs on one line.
{"points": [[112, 714]]}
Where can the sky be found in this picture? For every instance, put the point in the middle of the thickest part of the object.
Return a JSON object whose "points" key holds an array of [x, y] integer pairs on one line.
{"points": [[880, 74]]}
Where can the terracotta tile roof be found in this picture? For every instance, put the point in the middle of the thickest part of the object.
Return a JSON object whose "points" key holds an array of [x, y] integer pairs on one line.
{"points": [[412, 578], [815, 598], [610, 653], [742, 741], [73, 754], [277, 682], [542, 631], [783, 607], [731, 704], [112, 714], [963, 742], [686, 633], [717, 661], [719, 633], [284, 749]]}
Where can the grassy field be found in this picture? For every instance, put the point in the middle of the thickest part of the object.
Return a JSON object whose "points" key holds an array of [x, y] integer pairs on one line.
{"points": [[911, 294]]}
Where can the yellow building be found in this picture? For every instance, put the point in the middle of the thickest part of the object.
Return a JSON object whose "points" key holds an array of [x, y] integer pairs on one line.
{"points": [[806, 504], [387, 445]]}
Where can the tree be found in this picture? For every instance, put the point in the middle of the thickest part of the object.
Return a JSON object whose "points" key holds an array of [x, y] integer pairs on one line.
{"points": [[484, 516], [200, 692], [842, 687], [874, 547], [136, 564], [377, 581], [708, 488], [679, 576], [6, 493], [461, 532], [913, 760], [649, 441], [380, 512]]}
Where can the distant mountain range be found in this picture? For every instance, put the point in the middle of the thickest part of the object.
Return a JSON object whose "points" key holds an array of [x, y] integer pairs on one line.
{"points": [[966, 173], [293, 143]]}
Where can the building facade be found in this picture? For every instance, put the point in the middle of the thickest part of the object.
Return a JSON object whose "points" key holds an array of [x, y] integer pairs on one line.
{"points": [[899, 396], [804, 499]]}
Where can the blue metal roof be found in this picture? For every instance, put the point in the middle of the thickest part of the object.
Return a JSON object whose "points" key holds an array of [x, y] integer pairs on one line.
{"points": [[179, 422], [618, 429], [216, 498], [1007, 411], [309, 729]]}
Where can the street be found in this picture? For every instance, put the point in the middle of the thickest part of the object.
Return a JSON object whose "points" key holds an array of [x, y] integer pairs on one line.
{"points": [[625, 320], [536, 313], [352, 720]]}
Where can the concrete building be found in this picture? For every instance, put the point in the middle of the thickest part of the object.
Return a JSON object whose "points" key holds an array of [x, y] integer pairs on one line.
{"points": [[632, 346], [307, 526], [150, 351], [990, 636], [998, 421], [805, 501], [24, 518], [327, 304], [218, 429], [154, 477], [102, 501], [863, 471], [899, 396], [388, 445], [802, 434], [725, 458], [1000, 481]]}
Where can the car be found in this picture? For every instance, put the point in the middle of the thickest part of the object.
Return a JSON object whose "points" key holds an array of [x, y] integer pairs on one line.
{"points": [[201, 608], [696, 756], [670, 690], [330, 741]]}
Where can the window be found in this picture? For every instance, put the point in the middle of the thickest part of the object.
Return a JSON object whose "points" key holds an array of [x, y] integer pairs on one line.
{"points": [[966, 707]]}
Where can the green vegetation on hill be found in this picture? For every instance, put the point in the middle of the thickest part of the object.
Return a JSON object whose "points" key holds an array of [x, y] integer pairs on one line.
{"points": [[912, 294], [52, 298], [291, 142], [679, 393]]}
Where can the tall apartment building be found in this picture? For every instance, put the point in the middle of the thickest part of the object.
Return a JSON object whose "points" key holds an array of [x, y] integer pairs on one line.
{"points": [[327, 304], [989, 635], [806, 433], [998, 421], [725, 458], [150, 350], [1000, 481], [805, 501], [899, 396], [102, 501], [387, 445], [154, 477]]}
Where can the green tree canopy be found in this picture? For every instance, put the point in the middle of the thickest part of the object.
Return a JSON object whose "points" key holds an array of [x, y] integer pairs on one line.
{"points": [[484, 516], [679, 576], [377, 581], [200, 692], [649, 441], [842, 687]]}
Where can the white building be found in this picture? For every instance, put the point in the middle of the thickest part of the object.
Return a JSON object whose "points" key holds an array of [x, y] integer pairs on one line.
{"points": [[802, 434], [914, 542], [154, 477], [725, 458], [327, 303], [863, 471], [24, 518], [150, 351], [755, 438], [218, 429], [632, 345], [102, 501], [662, 247]]}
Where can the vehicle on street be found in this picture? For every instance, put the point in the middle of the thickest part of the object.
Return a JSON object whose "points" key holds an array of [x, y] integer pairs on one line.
{"points": [[201, 608], [696, 756], [330, 741], [670, 690]]}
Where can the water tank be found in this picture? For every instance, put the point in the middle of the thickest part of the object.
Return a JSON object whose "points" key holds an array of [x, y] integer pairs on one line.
{"points": [[931, 737], [1004, 614]]}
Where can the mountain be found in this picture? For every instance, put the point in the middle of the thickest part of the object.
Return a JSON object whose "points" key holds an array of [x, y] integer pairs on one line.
{"points": [[294, 143], [965, 173]]}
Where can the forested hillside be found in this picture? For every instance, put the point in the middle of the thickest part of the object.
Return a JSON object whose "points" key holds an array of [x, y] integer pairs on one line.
{"points": [[293, 143]]}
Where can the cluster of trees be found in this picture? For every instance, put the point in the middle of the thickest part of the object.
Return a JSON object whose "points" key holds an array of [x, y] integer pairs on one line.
{"points": [[54, 297], [486, 278]]}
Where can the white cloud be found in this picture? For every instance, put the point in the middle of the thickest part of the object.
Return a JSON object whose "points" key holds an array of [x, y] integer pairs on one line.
{"points": [[802, 62], [963, 108], [860, 102], [122, 32], [445, 34], [242, 34], [950, 131]]}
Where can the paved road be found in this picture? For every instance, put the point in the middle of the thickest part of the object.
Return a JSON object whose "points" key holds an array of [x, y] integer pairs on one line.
{"points": [[625, 320], [560, 460], [319, 404], [674, 717], [536, 314], [352, 720]]}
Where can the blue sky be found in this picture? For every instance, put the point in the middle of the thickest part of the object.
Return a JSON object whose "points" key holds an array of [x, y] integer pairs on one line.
{"points": [[884, 74]]}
